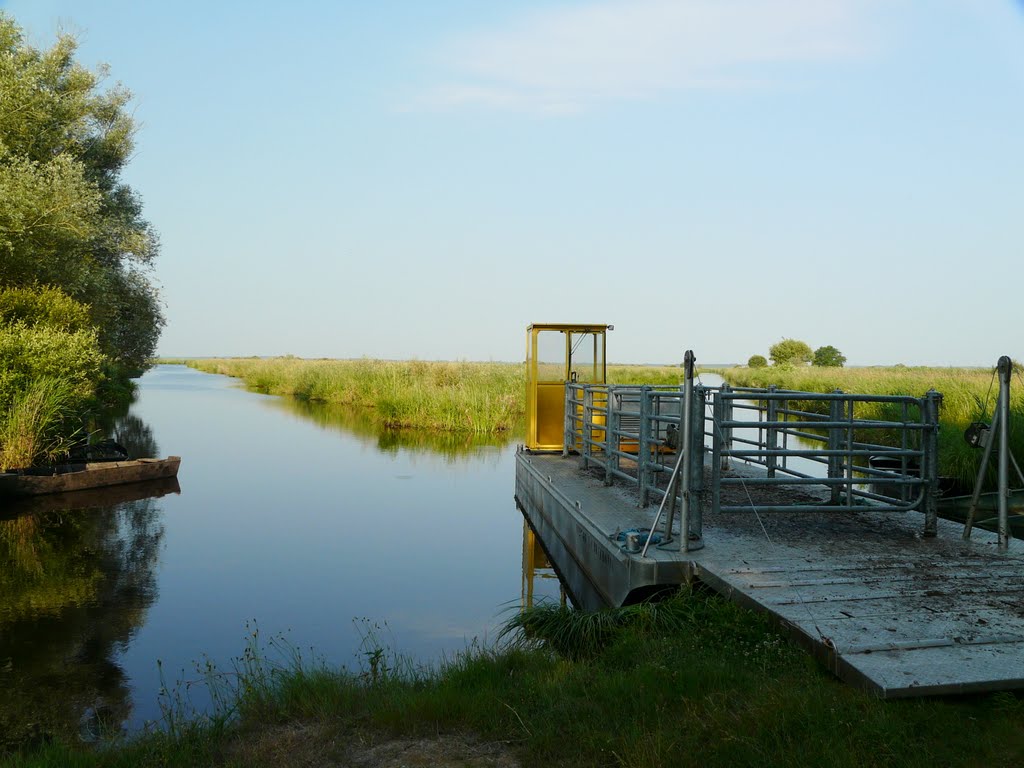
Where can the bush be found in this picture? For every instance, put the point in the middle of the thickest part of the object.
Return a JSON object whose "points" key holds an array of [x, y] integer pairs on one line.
{"points": [[47, 306], [790, 352], [757, 361], [28, 354]]}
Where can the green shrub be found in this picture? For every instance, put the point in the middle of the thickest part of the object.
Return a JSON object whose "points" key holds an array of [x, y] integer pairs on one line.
{"points": [[28, 354], [43, 306], [757, 361]]}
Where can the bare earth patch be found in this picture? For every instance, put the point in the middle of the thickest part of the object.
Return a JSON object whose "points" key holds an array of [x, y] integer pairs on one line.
{"points": [[324, 745]]}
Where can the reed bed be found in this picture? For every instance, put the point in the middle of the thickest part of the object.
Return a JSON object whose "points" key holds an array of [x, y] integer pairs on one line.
{"points": [[38, 425], [483, 398], [968, 395]]}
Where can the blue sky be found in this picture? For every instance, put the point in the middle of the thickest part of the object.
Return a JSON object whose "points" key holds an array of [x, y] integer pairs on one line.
{"points": [[422, 180]]}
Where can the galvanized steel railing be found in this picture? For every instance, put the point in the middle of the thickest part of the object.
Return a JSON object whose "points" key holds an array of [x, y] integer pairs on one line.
{"points": [[799, 439], [834, 446]]}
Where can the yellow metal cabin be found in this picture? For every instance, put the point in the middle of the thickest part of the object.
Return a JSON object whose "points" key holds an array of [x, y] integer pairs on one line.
{"points": [[557, 354]]}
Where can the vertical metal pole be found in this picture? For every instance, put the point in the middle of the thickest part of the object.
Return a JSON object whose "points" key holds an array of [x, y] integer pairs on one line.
{"points": [[568, 436], [835, 414], [719, 460], [643, 454], [930, 469], [717, 417], [772, 436], [976, 495], [695, 460], [685, 443], [1004, 366], [611, 428]]}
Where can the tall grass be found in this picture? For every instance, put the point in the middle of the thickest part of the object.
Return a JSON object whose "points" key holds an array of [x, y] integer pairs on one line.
{"points": [[38, 426], [968, 394], [450, 396], [481, 398]]}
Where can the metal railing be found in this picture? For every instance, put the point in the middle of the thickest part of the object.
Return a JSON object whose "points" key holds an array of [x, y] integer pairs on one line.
{"points": [[799, 440], [817, 439]]}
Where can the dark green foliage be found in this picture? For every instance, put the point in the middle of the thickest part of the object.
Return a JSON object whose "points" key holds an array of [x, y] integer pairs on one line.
{"points": [[66, 219], [757, 361], [828, 357], [47, 307]]}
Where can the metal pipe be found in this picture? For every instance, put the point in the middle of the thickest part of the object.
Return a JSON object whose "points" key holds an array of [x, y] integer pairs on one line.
{"points": [[1005, 366], [685, 446]]}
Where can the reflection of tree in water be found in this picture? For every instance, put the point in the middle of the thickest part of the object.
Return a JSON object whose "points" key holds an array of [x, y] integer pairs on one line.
{"points": [[454, 446], [129, 430], [74, 587]]}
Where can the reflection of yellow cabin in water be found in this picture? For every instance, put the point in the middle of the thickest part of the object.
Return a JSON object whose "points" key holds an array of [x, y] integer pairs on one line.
{"points": [[555, 355], [536, 566]]}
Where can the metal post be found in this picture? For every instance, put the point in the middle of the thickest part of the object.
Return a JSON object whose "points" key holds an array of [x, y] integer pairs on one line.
{"points": [[685, 443], [568, 430], [726, 414], [695, 460], [643, 454], [772, 435], [835, 415], [1005, 366], [611, 427], [930, 468], [719, 459]]}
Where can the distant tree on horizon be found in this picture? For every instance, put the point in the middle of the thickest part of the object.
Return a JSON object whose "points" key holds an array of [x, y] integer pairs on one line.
{"points": [[828, 357], [790, 352], [757, 361]]}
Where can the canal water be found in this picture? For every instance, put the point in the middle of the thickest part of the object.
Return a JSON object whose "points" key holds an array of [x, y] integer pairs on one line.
{"points": [[297, 522]]}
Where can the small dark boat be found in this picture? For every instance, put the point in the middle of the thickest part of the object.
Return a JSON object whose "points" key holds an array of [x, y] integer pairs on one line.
{"points": [[987, 515], [79, 476]]}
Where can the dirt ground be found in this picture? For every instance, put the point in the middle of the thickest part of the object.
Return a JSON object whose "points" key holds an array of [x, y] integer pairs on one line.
{"points": [[323, 745]]}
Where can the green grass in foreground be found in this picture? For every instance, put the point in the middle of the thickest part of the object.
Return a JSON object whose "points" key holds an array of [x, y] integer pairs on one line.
{"points": [[482, 398], [965, 392], [694, 681]]}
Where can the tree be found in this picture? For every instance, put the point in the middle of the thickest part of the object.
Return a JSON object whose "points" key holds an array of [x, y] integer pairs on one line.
{"points": [[790, 352], [828, 357], [66, 218], [757, 361]]}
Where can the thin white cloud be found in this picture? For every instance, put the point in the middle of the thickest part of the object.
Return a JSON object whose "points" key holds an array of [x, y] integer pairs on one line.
{"points": [[568, 58]]}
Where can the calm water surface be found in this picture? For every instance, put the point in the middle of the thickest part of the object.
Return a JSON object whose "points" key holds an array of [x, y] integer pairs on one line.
{"points": [[303, 520]]}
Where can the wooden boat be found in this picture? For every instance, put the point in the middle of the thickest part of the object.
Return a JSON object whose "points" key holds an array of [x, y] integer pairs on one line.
{"points": [[92, 498], [67, 478]]}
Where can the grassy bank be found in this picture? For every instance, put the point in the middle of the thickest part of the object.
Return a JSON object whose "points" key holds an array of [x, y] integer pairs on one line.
{"points": [[695, 681], [969, 394], [482, 398], [456, 397]]}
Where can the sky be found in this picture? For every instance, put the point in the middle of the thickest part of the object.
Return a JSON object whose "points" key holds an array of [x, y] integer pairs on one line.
{"points": [[424, 179]]}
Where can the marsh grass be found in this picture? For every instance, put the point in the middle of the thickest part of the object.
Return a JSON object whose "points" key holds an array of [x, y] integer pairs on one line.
{"points": [[38, 426], [479, 398], [449, 396], [968, 394]]}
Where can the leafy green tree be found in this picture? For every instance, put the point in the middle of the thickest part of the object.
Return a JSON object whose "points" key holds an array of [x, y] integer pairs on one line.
{"points": [[790, 352], [828, 357], [66, 218], [757, 361]]}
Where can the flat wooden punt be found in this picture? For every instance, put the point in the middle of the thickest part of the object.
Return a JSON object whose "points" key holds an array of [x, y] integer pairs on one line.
{"points": [[883, 607], [92, 498], [89, 475]]}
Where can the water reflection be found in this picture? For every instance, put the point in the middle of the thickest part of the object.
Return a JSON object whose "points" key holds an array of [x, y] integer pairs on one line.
{"points": [[540, 580], [75, 586], [453, 446]]}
